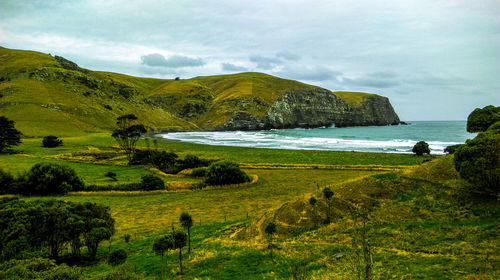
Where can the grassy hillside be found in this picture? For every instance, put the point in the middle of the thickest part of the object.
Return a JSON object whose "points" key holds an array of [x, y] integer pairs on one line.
{"points": [[49, 95]]}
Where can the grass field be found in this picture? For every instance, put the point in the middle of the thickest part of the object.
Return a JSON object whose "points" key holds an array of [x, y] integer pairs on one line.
{"points": [[423, 227]]}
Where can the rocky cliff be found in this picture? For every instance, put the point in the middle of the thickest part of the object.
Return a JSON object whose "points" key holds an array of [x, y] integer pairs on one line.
{"points": [[316, 107]]}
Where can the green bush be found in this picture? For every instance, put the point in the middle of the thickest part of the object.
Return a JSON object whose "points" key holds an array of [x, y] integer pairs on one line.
{"points": [[50, 178], [7, 183], [117, 257], [152, 182], [480, 119], [51, 141], [38, 268], [225, 173], [421, 148], [478, 161], [451, 149], [199, 172]]}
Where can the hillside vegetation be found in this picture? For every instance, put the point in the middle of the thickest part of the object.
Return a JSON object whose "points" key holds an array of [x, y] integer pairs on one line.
{"points": [[42, 94]]}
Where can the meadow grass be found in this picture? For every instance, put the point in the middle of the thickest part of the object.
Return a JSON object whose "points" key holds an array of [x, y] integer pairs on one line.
{"points": [[420, 231]]}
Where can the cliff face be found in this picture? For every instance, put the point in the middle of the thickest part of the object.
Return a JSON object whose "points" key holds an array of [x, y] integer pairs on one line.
{"points": [[316, 107], [372, 110]]}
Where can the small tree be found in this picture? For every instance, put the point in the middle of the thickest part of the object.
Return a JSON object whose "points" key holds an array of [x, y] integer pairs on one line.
{"points": [[421, 148], [161, 246], [9, 136], [111, 175], [270, 231], [126, 237], [187, 222], [51, 141], [328, 193], [128, 133], [179, 242]]}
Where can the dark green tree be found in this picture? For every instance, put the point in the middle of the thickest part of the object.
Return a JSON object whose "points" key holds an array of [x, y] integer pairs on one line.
{"points": [[99, 226], [313, 201], [180, 239], [161, 246], [187, 222], [328, 193], [9, 135], [152, 182], [480, 119], [270, 230], [421, 148], [51, 141], [50, 178], [225, 173], [128, 133]]}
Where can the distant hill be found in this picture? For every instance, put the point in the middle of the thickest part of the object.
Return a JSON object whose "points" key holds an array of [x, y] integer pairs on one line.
{"points": [[51, 95]]}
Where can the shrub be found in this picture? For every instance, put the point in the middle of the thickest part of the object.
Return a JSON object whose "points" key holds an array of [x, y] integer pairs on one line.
{"points": [[50, 178], [152, 182], [117, 257], [7, 183], [126, 237], [111, 175], [51, 141], [478, 161], [225, 173], [480, 119], [199, 172], [451, 149], [421, 148]]}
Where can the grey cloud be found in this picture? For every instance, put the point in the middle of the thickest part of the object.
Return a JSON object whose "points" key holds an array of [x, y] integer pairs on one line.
{"points": [[317, 73], [265, 63], [288, 56], [374, 80], [369, 82], [229, 67], [174, 61]]}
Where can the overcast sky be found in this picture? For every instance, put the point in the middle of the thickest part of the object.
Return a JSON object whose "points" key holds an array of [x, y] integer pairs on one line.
{"points": [[435, 60]]}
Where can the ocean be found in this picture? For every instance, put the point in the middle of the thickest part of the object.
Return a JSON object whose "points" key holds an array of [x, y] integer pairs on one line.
{"points": [[380, 139]]}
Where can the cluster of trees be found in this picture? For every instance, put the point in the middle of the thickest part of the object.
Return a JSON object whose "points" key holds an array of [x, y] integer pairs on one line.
{"points": [[478, 160], [41, 179], [175, 240], [47, 227]]}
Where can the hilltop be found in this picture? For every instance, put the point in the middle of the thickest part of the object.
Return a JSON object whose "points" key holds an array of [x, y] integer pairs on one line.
{"points": [[45, 94]]}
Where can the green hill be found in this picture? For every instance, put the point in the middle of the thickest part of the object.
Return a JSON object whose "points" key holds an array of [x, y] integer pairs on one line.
{"points": [[51, 95]]}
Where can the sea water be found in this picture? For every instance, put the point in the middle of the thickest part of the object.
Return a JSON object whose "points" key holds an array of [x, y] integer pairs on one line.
{"points": [[384, 139]]}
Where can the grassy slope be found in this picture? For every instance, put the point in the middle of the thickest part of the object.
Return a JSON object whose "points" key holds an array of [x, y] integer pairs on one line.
{"points": [[44, 98], [354, 99]]}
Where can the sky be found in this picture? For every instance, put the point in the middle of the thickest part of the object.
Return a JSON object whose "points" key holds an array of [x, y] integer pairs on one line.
{"points": [[434, 60]]}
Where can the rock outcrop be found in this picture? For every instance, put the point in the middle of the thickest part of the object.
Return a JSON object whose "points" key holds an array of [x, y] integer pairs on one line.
{"points": [[316, 107]]}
